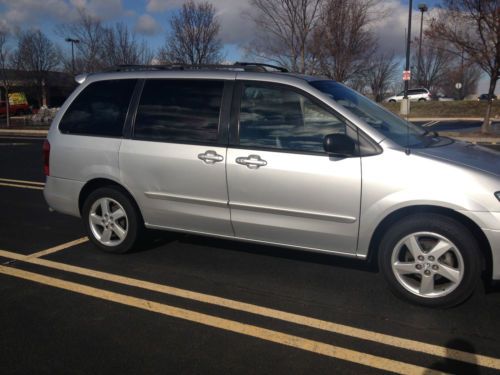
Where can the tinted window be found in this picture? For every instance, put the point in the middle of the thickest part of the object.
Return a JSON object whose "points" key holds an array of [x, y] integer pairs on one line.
{"points": [[284, 119], [417, 91], [179, 110], [100, 109]]}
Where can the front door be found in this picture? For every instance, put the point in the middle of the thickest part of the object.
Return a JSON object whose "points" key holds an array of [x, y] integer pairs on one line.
{"points": [[283, 187]]}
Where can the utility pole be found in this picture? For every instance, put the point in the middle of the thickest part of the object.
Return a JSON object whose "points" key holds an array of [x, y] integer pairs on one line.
{"points": [[423, 8], [72, 41]]}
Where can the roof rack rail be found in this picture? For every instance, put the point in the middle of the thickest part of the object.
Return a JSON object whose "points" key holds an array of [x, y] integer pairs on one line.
{"points": [[245, 66], [261, 65]]}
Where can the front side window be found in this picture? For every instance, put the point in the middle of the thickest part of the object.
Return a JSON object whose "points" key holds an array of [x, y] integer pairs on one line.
{"points": [[179, 111], [100, 109], [280, 118]]}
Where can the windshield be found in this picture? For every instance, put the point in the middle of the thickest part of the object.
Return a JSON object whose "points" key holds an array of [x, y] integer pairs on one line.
{"points": [[396, 129]]}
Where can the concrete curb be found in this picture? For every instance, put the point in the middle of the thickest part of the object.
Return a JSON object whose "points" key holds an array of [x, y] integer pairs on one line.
{"points": [[447, 119], [24, 132], [481, 140]]}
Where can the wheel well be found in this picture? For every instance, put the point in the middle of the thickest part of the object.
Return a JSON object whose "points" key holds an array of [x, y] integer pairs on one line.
{"points": [[478, 234], [97, 183]]}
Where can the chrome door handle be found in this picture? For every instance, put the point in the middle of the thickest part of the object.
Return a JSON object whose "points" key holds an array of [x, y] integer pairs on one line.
{"points": [[252, 161], [210, 157]]}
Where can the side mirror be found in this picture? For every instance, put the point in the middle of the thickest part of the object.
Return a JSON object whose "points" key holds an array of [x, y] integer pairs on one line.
{"points": [[339, 145]]}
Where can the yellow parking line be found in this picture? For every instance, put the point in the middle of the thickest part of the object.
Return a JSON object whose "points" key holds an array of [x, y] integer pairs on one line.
{"points": [[398, 342], [55, 249], [22, 181], [317, 347], [22, 186]]}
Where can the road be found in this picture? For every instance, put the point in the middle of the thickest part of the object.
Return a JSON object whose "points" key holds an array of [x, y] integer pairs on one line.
{"points": [[192, 304]]}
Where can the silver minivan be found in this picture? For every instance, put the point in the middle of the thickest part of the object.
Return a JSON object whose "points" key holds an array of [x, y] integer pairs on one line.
{"points": [[254, 153]]}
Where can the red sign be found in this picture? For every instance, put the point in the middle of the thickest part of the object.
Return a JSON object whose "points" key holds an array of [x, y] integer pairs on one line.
{"points": [[406, 75]]}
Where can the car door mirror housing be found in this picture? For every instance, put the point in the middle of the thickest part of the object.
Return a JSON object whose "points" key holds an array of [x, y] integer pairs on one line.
{"points": [[339, 145]]}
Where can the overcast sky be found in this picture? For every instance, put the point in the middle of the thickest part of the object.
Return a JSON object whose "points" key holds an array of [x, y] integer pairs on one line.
{"points": [[149, 18]]}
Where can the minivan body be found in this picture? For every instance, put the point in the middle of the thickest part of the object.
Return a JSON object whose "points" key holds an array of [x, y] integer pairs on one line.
{"points": [[281, 159]]}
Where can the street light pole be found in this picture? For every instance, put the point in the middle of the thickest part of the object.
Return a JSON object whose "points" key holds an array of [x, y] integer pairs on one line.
{"points": [[423, 8], [72, 41], [408, 40]]}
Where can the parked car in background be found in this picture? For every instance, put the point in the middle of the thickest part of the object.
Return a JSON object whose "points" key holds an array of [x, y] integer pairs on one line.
{"points": [[486, 97], [415, 95], [271, 157]]}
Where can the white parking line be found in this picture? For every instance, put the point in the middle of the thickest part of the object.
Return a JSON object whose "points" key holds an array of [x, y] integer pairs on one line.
{"points": [[22, 186], [380, 338], [277, 337], [22, 181], [55, 249]]}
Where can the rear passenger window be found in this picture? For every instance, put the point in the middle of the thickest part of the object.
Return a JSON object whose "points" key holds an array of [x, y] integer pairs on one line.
{"points": [[100, 109], [179, 111]]}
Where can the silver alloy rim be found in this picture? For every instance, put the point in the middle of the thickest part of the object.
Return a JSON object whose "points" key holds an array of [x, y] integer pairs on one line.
{"points": [[108, 221], [427, 264]]}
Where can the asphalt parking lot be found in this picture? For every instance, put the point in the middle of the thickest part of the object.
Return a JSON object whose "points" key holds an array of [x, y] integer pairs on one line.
{"points": [[190, 304]]}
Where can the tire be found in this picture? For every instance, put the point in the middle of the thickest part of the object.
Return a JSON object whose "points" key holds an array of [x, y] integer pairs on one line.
{"points": [[117, 230], [422, 100], [447, 263], [392, 101]]}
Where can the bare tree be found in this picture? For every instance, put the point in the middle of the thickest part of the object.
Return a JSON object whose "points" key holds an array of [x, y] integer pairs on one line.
{"points": [[284, 31], [90, 33], [462, 72], [4, 62], [194, 36], [120, 47], [380, 76], [38, 55], [343, 43], [435, 62], [473, 26]]}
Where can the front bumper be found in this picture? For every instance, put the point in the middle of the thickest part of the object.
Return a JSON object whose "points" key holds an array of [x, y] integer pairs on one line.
{"points": [[493, 237], [489, 222]]}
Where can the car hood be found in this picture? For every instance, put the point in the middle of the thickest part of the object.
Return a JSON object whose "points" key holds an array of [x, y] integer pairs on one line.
{"points": [[466, 154]]}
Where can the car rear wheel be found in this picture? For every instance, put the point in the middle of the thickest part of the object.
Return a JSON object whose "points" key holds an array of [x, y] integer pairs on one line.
{"points": [[392, 101], [111, 219], [431, 260], [421, 100]]}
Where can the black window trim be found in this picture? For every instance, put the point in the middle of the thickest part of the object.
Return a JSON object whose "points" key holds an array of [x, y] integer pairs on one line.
{"points": [[129, 108], [234, 141], [222, 131]]}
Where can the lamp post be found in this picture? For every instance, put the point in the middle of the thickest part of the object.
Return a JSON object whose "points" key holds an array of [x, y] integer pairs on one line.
{"points": [[72, 41], [423, 8], [408, 41]]}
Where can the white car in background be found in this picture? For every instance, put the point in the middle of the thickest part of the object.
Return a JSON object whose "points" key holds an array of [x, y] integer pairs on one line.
{"points": [[414, 95]]}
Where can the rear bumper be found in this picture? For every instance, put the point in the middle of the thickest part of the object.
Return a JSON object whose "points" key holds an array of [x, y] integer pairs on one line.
{"points": [[62, 195]]}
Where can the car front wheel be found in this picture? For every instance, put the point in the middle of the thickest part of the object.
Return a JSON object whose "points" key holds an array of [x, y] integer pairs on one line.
{"points": [[112, 222], [431, 260]]}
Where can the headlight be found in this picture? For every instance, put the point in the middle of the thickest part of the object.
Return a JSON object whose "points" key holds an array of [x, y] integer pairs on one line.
{"points": [[497, 194]]}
